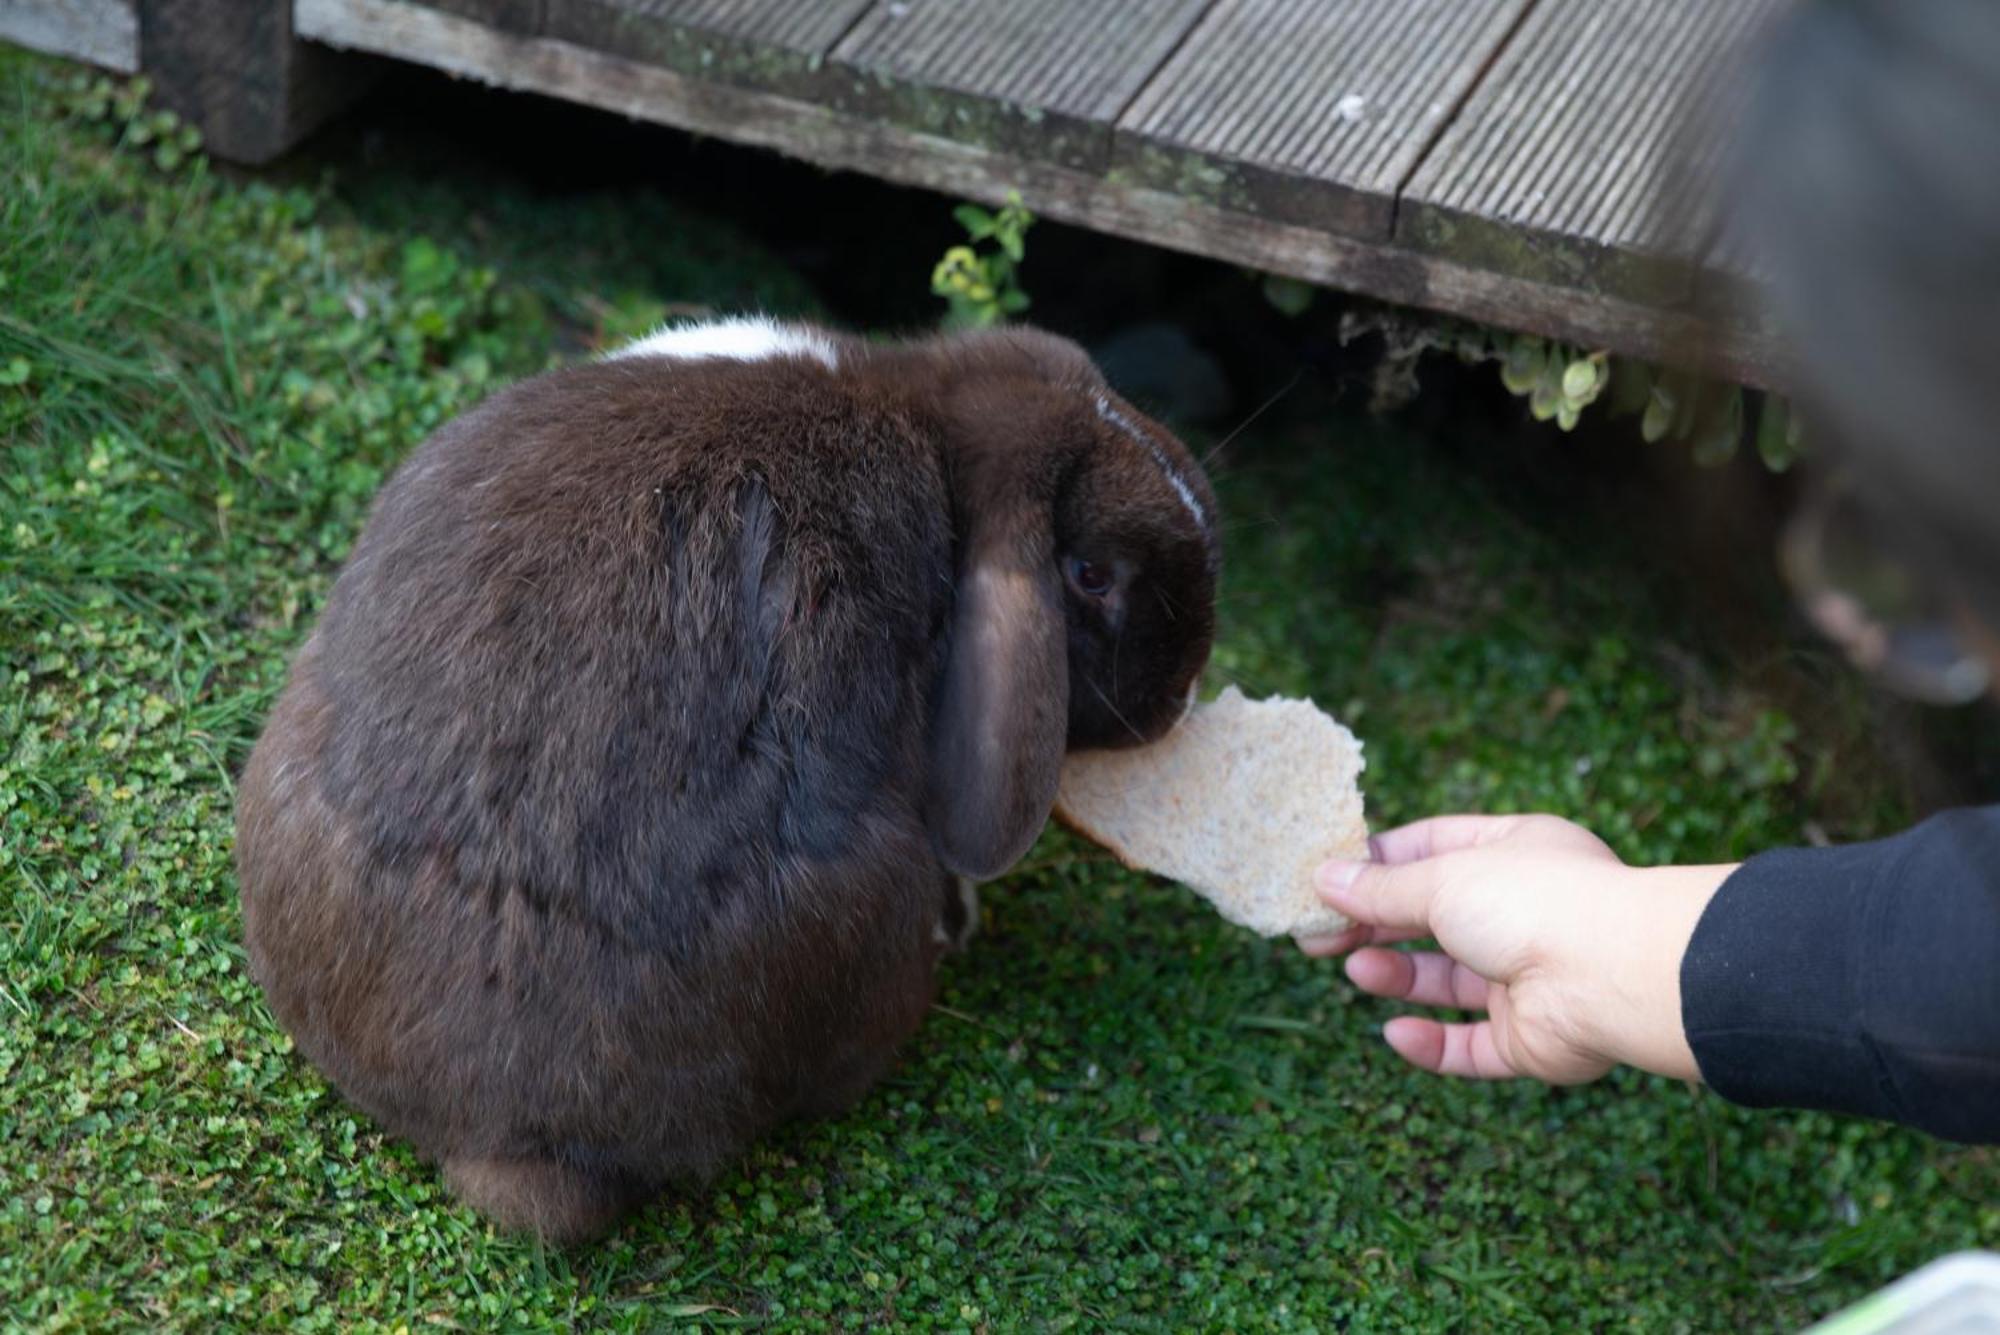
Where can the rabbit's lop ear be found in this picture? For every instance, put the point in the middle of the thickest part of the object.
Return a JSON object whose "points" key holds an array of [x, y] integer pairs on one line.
{"points": [[1003, 716]]}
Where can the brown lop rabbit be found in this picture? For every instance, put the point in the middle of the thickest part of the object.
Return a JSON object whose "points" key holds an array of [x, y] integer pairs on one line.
{"points": [[619, 804]]}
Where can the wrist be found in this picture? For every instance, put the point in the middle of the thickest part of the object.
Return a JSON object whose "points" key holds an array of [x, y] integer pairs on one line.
{"points": [[1640, 1024]]}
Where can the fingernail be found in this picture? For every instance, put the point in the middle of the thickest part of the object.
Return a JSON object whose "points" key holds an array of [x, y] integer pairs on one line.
{"points": [[1335, 943], [1336, 878]]}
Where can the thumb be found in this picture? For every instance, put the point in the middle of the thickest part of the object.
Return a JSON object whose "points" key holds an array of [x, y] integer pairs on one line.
{"points": [[1396, 897]]}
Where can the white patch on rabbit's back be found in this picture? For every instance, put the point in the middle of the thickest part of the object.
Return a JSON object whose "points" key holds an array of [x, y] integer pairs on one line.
{"points": [[743, 339], [1174, 478]]}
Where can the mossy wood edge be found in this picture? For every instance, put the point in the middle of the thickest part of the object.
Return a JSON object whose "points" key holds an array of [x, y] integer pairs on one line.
{"points": [[837, 139]]}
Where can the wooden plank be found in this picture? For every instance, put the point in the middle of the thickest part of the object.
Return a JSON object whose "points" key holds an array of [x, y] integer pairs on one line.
{"points": [[237, 70], [97, 32], [1555, 168], [1041, 79], [808, 27], [522, 16], [1312, 111], [831, 138], [776, 45]]}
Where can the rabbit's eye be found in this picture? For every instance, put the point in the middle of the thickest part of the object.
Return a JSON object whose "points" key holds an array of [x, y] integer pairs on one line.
{"points": [[1091, 579]]}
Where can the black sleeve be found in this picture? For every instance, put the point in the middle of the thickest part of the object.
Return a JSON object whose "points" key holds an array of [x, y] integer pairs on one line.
{"points": [[1863, 979]]}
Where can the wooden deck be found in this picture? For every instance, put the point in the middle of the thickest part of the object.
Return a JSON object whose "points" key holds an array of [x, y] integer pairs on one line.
{"points": [[1496, 159]]}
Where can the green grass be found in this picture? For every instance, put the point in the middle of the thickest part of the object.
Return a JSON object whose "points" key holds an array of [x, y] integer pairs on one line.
{"points": [[1124, 1114]]}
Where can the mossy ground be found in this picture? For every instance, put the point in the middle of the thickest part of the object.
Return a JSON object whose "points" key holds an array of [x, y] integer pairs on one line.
{"points": [[1123, 1114]]}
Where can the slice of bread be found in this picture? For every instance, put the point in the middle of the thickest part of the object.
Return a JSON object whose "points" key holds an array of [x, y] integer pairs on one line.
{"points": [[1239, 803]]}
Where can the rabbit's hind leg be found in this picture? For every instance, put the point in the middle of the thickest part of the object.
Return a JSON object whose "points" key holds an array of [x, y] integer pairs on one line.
{"points": [[561, 1202]]}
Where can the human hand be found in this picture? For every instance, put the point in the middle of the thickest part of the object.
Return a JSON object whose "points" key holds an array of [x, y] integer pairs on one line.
{"points": [[1573, 956]]}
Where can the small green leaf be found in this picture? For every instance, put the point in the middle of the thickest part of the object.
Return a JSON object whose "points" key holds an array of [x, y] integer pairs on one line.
{"points": [[1720, 429], [1659, 417], [1579, 379], [1582, 380], [1525, 362], [975, 220], [1546, 400], [1689, 397], [1776, 444], [426, 268], [16, 372], [1288, 295]]}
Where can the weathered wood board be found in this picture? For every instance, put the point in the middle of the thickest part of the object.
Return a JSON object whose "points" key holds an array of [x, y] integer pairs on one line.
{"points": [[522, 16], [1310, 111], [1039, 79], [1555, 169], [1536, 164], [778, 45], [97, 32], [832, 138]]}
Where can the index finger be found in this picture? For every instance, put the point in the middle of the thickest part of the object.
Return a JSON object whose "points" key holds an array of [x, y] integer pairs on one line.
{"points": [[1438, 835]]}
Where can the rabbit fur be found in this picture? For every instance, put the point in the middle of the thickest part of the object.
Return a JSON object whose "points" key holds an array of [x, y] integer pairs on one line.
{"points": [[617, 806]]}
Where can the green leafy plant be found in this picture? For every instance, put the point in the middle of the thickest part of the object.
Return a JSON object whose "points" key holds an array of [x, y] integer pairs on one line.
{"points": [[120, 109], [982, 287], [1709, 416], [1561, 381], [1558, 382]]}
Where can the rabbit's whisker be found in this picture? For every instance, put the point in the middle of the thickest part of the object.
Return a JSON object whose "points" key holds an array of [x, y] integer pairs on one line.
{"points": [[1137, 736], [1216, 449]]}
